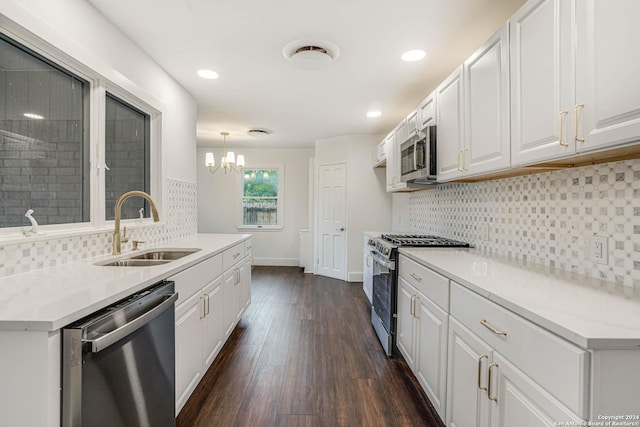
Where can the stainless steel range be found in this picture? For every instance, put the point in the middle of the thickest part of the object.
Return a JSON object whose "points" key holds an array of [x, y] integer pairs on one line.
{"points": [[385, 280]]}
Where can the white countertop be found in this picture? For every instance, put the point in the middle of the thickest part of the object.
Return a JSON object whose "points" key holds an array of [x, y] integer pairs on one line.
{"points": [[46, 300], [591, 313]]}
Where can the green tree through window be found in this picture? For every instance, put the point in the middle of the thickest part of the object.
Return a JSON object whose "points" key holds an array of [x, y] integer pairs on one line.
{"points": [[260, 197]]}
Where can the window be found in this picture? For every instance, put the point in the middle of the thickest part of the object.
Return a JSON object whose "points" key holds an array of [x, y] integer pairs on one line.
{"points": [[262, 197], [44, 140], [50, 161], [127, 157]]}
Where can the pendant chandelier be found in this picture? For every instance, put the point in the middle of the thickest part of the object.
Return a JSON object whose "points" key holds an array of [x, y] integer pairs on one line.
{"points": [[228, 161]]}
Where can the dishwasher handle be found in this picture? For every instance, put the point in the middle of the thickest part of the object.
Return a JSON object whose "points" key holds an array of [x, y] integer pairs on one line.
{"points": [[99, 344]]}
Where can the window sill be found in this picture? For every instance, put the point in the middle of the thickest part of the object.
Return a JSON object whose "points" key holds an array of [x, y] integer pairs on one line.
{"points": [[17, 237], [260, 227]]}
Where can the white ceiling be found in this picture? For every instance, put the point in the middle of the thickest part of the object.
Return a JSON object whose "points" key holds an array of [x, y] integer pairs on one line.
{"points": [[242, 40]]}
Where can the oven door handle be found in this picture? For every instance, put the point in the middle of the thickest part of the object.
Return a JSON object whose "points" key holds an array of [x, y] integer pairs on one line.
{"points": [[99, 344], [390, 265]]}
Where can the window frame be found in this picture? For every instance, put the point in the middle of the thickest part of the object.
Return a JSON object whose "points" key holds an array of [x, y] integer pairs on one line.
{"points": [[281, 198], [98, 86]]}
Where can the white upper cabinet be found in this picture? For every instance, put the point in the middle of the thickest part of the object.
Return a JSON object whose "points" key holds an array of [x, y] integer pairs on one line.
{"points": [[486, 119], [607, 73], [427, 111], [413, 121], [541, 83], [571, 97], [450, 128], [389, 148], [392, 147]]}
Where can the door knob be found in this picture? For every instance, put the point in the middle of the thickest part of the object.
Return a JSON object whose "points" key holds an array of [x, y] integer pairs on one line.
{"points": [[340, 229]]}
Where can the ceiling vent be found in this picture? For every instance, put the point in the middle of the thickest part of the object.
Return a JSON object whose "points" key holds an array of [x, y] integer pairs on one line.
{"points": [[258, 132], [311, 54]]}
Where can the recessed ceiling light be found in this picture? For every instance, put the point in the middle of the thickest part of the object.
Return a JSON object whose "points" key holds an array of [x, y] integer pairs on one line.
{"points": [[413, 55], [208, 74], [33, 116], [374, 114]]}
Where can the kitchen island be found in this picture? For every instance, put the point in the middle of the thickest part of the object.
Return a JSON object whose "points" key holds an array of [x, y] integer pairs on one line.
{"points": [[35, 305]]}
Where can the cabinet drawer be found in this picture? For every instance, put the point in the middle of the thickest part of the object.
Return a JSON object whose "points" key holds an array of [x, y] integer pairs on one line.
{"points": [[191, 280], [232, 256], [427, 281], [555, 364]]}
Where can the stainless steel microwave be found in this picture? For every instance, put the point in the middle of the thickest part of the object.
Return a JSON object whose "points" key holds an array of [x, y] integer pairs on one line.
{"points": [[418, 158]]}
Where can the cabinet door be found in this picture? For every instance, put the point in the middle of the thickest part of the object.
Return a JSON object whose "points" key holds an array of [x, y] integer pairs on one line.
{"points": [[450, 130], [521, 402], [468, 359], [229, 280], [389, 146], [189, 369], [607, 70], [367, 268], [542, 83], [402, 132], [405, 338], [212, 324], [432, 327], [427, 111], [486, 89], [245, 277], [413, 120]]}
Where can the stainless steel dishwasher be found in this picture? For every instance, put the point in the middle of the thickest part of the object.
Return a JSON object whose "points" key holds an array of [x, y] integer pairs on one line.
{"points": [[118, 365]]}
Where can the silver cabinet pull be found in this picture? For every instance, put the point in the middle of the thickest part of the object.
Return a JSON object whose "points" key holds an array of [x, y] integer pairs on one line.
{"points": [[412, 307], [204, 308], [486, 324], [236, 255], [206, 300], [494, 398], [484, 356], [415, 276]]}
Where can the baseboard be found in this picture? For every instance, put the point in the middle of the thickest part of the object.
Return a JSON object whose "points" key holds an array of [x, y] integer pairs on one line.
{"points": [[278, 262], [354, 276]]}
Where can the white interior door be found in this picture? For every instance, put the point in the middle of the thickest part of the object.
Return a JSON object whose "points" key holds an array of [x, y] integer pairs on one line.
{"points": [[331, 244]]}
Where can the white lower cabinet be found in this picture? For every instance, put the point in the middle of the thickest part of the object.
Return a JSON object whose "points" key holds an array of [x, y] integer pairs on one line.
{"points": [[504, 371], [422, 328], [213, 295]]}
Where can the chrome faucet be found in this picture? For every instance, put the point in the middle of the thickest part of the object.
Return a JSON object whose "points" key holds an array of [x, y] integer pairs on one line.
{"points": [[116, 231]]}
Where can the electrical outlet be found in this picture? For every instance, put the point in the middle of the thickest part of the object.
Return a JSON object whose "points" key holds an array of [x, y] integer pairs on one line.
{"points": [[485, 232], [598, 249]]}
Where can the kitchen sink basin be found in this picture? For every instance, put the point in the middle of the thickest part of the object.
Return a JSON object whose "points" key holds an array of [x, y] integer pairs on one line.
{"points": [[136, 263], [164, 254], [148, 258]]}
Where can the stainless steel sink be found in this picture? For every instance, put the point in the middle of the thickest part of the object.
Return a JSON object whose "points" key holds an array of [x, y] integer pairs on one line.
{"points": [[149, 257], [164, 254], [135, 263]]}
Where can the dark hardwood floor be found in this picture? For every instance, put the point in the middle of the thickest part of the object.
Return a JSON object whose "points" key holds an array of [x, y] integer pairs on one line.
{"points": [[305, 354]]}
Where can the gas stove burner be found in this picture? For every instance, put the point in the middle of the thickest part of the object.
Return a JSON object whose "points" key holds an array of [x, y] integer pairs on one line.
{"points": [[421, 240]]}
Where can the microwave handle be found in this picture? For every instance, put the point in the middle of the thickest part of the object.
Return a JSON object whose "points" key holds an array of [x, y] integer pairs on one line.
{"points": [[415, 155]]}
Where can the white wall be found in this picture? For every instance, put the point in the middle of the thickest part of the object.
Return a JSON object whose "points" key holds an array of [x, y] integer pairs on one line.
{"points": [[219, 201], [79, 31], [368, 204]]}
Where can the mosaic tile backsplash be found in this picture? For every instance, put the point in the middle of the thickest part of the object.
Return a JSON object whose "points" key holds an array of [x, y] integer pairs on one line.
{"points": [[180, 222], [544, 218]]}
